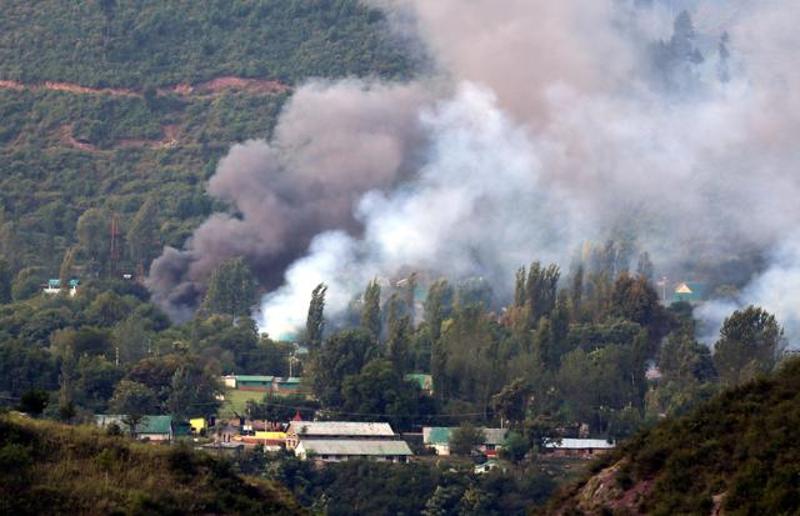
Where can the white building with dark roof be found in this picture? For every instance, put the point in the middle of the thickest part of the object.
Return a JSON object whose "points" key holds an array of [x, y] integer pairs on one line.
{"points": [[337, 430], [583, 447], [338, 450], [336, 441]]}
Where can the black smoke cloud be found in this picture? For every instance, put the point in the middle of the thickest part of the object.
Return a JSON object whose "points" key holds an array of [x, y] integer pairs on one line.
{"points": [[544, 130], [333, 143]]}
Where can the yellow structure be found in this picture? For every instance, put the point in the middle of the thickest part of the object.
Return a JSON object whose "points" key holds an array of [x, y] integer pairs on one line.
{"points": [[198, 424], [271, 436]]}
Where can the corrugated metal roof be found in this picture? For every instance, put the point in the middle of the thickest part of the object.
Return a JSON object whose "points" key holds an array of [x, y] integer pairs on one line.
{"points": [[353, 447], [148, 424], [253, 378], [436, 434], [341, 428], [155, 425], [579, 444]]}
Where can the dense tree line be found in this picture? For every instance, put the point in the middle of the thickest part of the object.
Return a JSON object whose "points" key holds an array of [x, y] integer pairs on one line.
{"points": [[568, 355], [109, 349], [118, 44]]}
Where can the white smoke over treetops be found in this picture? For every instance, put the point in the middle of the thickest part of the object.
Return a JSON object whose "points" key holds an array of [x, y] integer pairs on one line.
{"points": [[549, 124]]}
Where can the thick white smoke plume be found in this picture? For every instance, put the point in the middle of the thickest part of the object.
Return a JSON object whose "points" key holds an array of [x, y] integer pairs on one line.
{"points": [[477, 192], [545, 124]]}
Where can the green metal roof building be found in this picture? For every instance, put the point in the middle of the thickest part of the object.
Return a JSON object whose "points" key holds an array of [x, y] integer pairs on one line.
{"points": [[425, 381], [254, 382], [154, 428]]}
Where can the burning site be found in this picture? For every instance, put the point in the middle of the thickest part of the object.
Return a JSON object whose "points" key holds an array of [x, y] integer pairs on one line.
{"points": [[400, 257], [525, 134]]}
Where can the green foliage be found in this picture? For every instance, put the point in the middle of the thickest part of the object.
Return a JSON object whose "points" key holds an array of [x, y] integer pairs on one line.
{"points": [[683, 358], [465, 438], [94, 237], [5, 281], [193, 392], [750, 343], [371, 310], [69, 152], [24, 368], [51, 468], [635, 300], [438, 306], [540, 290], [315, 321], [743, 444], [134, 400], [231, 289], [274, 407], [143, 238], [34, 402], [470, 356], [515, 447], [379, 391], [95, 381], [398, 343], [119, 46], [343, 354], [367, 487], [511, 403]]}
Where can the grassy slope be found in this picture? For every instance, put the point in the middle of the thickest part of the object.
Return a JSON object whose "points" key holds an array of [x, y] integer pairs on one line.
{"points": [[740, 452], [51, 468], [236, 401], [46, 181]]}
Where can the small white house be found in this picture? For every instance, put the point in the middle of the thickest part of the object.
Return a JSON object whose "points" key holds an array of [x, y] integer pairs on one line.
{"points": [[578, 447], [53, 286]]}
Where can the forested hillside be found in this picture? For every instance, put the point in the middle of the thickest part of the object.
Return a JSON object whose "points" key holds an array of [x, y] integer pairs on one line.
{"points": [[47, 468], [108, 104], [737, 454], [115, 115]]}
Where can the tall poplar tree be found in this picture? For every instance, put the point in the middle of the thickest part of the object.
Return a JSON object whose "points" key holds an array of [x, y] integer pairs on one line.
{"points": [[143, 241], [398, 342], [371, 312], [438, 306], [232, 289], [315, 323]]}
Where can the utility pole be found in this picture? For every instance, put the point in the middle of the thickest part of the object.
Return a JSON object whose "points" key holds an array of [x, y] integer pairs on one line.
{"points": [[115, 245]]}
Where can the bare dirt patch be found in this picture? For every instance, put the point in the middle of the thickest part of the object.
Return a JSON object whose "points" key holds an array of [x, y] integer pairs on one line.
{"points": [[212, 87]]}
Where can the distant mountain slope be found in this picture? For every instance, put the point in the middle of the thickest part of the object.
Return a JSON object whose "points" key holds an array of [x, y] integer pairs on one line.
{"points": [[738, 454], [47, 468], [156, 43], [105, 104]]}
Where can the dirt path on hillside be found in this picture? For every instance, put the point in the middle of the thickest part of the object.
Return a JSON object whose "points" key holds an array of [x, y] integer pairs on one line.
{"points": [[213, 87], [170, 139]]}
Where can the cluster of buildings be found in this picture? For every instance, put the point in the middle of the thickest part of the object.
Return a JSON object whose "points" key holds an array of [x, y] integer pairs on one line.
{"points": [[53, 286], [263, 383], [438, 439], [332, 441]]}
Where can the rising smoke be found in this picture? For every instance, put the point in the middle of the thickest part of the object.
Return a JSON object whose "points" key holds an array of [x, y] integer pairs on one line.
{"points": [[544, 124]]}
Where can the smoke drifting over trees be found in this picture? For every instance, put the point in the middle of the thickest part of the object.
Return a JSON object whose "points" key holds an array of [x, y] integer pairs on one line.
{"points": [[540, 126]]}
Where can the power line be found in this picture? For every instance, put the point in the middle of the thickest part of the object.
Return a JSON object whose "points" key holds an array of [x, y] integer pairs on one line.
{"points": [[365, 414]]}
